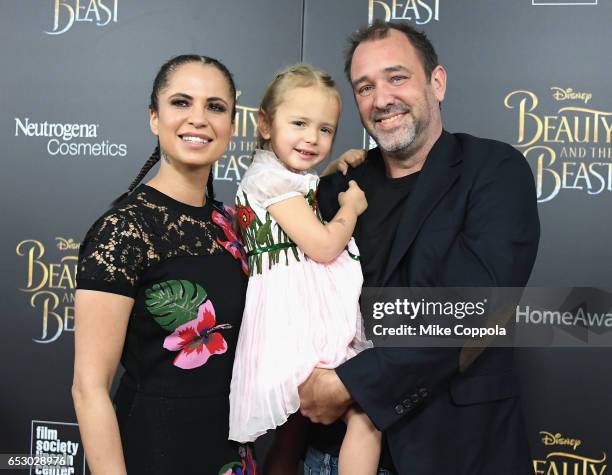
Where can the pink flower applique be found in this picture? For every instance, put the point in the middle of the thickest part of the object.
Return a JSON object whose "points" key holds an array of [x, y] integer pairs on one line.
{"points": [[245, 466], [233, 245], [197, 339]]}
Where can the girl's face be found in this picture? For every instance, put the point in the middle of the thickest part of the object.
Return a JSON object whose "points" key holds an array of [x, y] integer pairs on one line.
{"points": [[302, 130], [194, 120]]}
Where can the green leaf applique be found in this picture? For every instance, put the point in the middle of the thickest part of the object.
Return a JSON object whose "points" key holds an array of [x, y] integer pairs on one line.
{"points": [[263, 233], [174, 302]]}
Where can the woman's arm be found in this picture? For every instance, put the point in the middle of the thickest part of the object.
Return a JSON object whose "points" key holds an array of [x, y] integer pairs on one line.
{"points": [[101, 320], [321, 242]]}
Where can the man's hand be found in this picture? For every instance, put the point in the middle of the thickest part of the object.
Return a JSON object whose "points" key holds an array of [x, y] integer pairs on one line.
{"points": [[323, 397], [352, 157]]}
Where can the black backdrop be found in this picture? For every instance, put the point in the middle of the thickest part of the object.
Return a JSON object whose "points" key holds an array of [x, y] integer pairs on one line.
{"points": [[74, 130]]}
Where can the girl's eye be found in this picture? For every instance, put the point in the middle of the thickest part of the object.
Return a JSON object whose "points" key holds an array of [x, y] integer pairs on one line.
{"points": [[365, 90], [327, 130], [299, 123], [217, 107]]}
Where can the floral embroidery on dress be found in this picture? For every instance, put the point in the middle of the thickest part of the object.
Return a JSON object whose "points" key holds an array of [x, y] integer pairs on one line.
{"points": [[311, 199], [258, 235], [245, 215], [223, 218], [245, 466], [182, 307], [198, 339], [174, 302]]}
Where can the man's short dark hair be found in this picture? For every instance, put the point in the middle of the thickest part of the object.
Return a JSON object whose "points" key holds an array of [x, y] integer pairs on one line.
{"points": [[380, 29]]}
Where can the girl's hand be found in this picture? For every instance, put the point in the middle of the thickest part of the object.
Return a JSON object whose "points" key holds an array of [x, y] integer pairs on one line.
{"points": [[353, 157], [353, 197]]}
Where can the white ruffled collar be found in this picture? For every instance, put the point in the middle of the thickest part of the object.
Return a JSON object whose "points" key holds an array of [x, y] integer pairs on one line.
{"points": [[269, 158]]}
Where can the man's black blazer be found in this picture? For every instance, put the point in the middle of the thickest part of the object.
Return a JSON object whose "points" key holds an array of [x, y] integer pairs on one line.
{"points": [[470, 221]]}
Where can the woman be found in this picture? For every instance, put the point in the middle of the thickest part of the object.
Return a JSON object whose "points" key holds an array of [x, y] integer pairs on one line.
{"points": [[161, 287]]}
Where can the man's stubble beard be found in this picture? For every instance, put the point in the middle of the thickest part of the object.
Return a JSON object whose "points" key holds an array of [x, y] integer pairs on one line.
{"points": [[398, 141], [404, 141]]}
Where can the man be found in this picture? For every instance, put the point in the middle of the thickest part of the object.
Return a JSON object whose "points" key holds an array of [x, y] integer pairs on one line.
{"points": [[444, 210]]}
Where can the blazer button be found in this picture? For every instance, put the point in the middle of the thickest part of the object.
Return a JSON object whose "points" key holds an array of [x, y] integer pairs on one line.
{"points": [[415, 398], [399, 409], [407, 404], [423, 392]]}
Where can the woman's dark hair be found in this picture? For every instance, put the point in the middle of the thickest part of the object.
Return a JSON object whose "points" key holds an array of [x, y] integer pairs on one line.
{"points": [[161, 81]]}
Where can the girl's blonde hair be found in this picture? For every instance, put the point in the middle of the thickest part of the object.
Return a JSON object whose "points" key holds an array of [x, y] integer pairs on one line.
{"points": [[298, 75]]}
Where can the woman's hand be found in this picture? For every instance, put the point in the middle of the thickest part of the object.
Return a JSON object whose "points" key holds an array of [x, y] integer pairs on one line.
{"points": [[353, 197], [352, 157]]}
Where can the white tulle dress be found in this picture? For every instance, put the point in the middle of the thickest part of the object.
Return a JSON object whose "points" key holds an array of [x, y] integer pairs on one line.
{"points": [[299, 314]]}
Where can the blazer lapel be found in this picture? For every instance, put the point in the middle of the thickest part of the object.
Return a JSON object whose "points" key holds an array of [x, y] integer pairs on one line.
{"points": [[437, 176]]}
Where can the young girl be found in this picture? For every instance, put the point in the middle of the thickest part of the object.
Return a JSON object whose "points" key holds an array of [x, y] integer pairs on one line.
{"points": [[301, 308]]}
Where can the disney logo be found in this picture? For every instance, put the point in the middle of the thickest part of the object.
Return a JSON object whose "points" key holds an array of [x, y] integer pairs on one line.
{"points": [[561, 94], [67, 244], [558, 439]]}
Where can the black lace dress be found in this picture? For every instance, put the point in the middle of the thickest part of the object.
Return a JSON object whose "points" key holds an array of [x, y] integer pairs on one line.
{"points": [[184, 269]]}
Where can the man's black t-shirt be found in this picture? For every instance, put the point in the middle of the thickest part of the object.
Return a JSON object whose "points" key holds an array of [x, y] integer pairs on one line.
{"points": [[376, 227], [374, 236]]}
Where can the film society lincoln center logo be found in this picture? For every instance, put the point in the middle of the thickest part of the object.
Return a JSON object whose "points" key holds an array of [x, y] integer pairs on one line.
{"points": [[567, 136], [567, 456], [58, 439], [49, 279]]}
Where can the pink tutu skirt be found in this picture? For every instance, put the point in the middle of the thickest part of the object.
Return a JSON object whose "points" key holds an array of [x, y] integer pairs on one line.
{"points": [[298, 315]]}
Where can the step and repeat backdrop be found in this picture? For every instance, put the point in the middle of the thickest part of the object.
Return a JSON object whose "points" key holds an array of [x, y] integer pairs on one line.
{"points": [[74, 132]]}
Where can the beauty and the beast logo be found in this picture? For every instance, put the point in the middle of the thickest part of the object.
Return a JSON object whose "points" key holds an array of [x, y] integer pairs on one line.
{"points": [[50, 283], [237, 159], [419, 11], [571, 148], [563, 459], [67, 12]]}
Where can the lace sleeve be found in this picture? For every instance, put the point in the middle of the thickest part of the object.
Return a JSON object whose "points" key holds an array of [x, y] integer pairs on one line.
{"points": [[112, 256]]}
